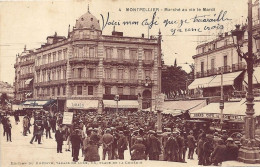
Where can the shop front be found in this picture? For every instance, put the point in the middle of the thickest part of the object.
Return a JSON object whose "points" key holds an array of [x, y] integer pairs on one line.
{"points": [[78, 106], [123, 106]]}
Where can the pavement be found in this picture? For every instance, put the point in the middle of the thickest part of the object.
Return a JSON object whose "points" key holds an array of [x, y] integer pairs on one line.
{"points": [[20, 153]]}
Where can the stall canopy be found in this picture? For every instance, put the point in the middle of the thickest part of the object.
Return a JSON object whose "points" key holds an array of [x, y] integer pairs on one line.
{"points": [[16, 107], [228, 79], [121, 104], [191, 105], [201, 82], [37, 104], [82, 104]]}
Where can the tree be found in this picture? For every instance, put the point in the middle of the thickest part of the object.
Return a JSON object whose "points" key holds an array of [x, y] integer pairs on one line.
{"points": [[173, 81], [3, 100]]}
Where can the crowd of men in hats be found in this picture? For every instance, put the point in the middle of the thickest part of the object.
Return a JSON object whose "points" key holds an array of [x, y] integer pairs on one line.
{"points": [[7, 128], [119, 132]]}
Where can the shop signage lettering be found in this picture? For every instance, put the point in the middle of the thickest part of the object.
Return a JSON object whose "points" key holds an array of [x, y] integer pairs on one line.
{"points": [[77, 105]]}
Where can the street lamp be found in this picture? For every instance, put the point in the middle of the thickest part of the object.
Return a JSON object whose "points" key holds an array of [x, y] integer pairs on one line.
{"points": [[148, 83], [249, 152], [116, 98]]}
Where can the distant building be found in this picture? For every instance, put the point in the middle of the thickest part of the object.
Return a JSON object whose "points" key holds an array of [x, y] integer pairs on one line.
{"points": [[220, 56], [85, 70], [6, 88]]}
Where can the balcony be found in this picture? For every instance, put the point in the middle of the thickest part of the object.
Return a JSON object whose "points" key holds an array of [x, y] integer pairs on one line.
{"points": [[28, 75], [129, 82], [126, 62], [83, 80], [88, 60], [150, 83], [28, 62], [148, 62], [51, 65], [122, 97], [238, 66], [50, 83], [225, 69], [25, 89], [212, 71]]}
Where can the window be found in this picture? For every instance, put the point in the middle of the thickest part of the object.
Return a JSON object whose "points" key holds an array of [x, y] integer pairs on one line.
{"points": [[132, 74], [91, 52], [80, 74], [91, 73], [73, 73], [64, 90], [147, 73], [49, 58], [58, 74], [43, 91], [132, 91], [79, 90], [148, 55], [48, 92], [44, 59], [54, 56], [59, 56], [65, 53], [90, 90], [108, 90], [202, 68], [108, 73], [225, 61], [212, 64], [64, 74], [53, 91], [133, 54], [72, 90], [109, 53], [80, 52], [120, 90], [120, 54], [58, 92], [120, 74]]}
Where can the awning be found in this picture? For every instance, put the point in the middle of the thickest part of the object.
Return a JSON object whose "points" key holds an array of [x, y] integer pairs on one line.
{"points": [[16, 107], [232, 110], [191, 105], [37, 104], [27, 82], [121, 104], [201, 82], [82, 104], [28, 94], [228, 79]]}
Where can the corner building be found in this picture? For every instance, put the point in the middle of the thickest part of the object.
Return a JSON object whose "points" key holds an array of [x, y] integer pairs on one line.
{"points": [[85, 70]]}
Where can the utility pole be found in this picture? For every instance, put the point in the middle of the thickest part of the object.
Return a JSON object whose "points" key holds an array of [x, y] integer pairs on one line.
{"points": [[221, 105]]}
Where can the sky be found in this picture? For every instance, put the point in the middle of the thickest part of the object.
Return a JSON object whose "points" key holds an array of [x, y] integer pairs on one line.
{"points": [[181, 25]]}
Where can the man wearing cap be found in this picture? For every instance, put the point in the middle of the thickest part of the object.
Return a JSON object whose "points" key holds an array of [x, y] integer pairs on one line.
{"points": [[107, 141], [59, 139], [191, 141], [232, 149], [121, 145]]}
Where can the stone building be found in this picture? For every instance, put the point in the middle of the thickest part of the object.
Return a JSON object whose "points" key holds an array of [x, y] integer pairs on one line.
{"points": [[85, 70]]}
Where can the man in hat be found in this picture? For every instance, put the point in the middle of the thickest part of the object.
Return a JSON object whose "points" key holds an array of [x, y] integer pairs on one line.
{"points": [[25, 125], [121, 145], [59, 139], [154, 147], [171, 148], [191, 141], [232, 149], [8, 130], [107, 141], [218, 155], [76, 143]]}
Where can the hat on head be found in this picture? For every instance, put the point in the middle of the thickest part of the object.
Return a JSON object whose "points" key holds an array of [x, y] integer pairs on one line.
{"points": [[230, 139]]}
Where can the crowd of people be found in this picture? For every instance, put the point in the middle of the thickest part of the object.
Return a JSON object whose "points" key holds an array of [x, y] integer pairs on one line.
{"points": [[136, 132]]}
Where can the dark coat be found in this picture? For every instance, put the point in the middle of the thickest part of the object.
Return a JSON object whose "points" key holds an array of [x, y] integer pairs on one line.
{"points": [[75, 140], [191, 141], [92, 153], [122, 143], [171, 145], [59, 136], [154, 145], [232, 152], [218, 154], [138, 152]]}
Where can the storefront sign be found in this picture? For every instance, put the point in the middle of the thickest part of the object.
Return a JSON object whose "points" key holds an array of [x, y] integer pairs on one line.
{"points": [[159, 99], [216, 116], [67, 118], [82, 104]]}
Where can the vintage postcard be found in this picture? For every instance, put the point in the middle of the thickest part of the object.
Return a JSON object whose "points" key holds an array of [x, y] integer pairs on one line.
{"points": [[129, 83]]}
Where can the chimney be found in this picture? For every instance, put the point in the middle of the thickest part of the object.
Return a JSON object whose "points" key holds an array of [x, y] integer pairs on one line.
{"points": [[24, 48], [142, 35]]}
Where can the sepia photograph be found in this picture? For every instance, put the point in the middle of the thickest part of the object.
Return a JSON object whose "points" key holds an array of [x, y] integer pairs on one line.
{"points": [[129, 83]]}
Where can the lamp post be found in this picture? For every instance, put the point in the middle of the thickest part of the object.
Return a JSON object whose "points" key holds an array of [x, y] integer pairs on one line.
{"points": [[116, 98], [249, 152], [148, 83]]}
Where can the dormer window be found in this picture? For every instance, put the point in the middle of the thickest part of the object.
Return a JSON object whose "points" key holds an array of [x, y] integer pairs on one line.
{"points": [[82, 19], [91, 19]]}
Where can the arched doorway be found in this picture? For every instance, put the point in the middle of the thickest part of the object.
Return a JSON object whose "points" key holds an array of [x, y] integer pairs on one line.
{"points": [[147, 96]]}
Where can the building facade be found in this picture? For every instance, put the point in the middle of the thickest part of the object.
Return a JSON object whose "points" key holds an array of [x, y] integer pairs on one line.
{"points": [[24, 75], [87, 69], [219, 57]]}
